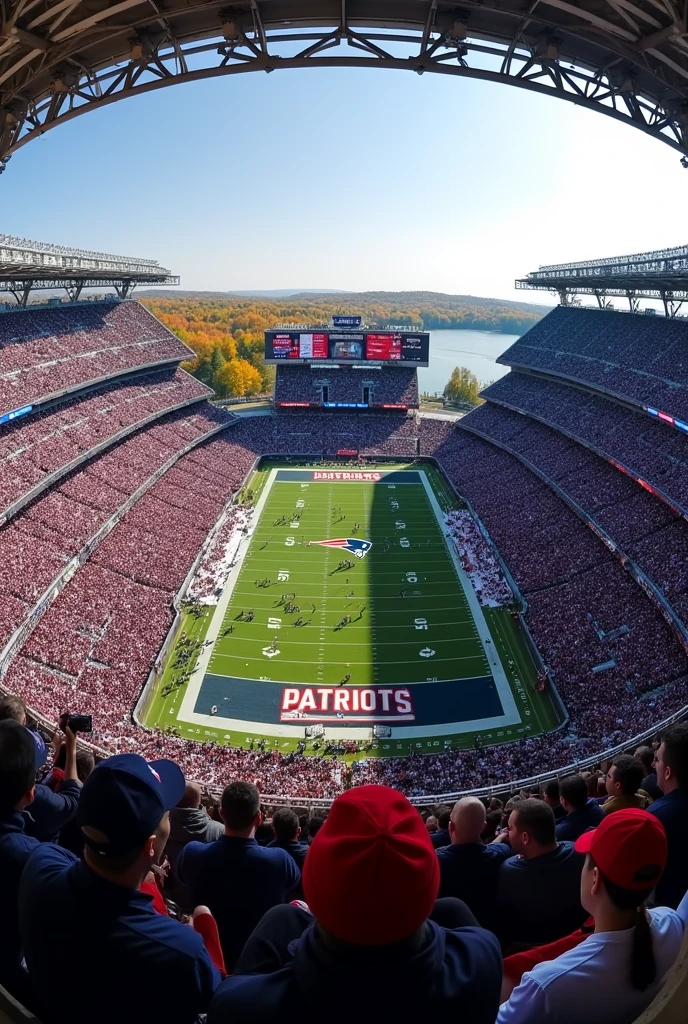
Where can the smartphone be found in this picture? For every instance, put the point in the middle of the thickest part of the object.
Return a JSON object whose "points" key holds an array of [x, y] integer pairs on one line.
{"points": [[77, 723]]}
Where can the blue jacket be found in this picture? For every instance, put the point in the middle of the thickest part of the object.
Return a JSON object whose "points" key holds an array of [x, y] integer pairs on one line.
{"points": [[50, 811], [297, 851], [238, 880], [469, 872], [455, 974], [579, 821], [15, 849], [538, 899], [440, 838], [99, 951], [672, 811]]}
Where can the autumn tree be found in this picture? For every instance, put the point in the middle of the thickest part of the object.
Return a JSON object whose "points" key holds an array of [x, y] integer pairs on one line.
{"points": [[238, 378], [462, 386]]}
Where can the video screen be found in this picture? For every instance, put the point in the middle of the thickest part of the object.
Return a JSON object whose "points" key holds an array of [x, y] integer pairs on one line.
{"points": [[347, 350], [348, 347]]}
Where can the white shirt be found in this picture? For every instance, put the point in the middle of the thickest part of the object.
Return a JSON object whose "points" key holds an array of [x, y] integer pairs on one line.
{"points": [[591, 983]]}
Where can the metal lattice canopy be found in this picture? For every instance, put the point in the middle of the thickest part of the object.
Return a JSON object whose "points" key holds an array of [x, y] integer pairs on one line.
{"points": [[626, 58], [661, 274], [26, 265]]}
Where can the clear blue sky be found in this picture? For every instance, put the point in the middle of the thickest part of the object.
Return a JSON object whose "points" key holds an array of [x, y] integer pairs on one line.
{"points": [[353, 179]]}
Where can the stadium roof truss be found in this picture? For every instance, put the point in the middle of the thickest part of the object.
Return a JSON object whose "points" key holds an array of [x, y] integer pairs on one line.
{"points": [[626, 58], [662, 274], [25, 265]]}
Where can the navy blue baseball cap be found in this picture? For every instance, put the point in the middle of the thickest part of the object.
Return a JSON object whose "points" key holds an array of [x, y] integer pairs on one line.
{"points": [[41, 749], [123, 800]]}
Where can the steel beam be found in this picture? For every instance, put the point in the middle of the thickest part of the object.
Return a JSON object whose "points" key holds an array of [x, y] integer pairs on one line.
{"points": [[627, 59]]}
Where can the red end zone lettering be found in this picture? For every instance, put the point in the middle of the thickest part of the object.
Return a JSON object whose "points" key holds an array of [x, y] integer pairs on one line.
{"points": [[346, 476], [347, 704]]}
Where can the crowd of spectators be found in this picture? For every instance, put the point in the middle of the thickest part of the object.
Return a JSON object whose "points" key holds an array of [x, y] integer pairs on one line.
{"points": [[218, 559], [478, 559], [90, 646], [636, 357], [39, 542], [326, 433], [394, 385], [240, 913], [643, 527], [49, 349], [647, 448], [34, 448]]}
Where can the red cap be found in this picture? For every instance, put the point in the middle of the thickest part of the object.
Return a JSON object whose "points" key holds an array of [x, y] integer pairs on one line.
{"points": [[626, 846], [371, 876]]}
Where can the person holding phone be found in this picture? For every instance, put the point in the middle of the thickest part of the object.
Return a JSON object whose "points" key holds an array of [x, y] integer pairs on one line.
{"points": [[49, 811]]}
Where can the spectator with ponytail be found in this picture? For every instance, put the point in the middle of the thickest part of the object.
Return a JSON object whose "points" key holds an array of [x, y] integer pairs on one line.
{"points": [[614, 974]]}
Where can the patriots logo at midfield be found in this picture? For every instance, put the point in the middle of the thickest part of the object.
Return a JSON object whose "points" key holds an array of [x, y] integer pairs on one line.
{"points": [[357, 547]]}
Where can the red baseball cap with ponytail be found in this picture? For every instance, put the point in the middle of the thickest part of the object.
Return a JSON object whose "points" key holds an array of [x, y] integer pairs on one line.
{"points": [[629, 847]]}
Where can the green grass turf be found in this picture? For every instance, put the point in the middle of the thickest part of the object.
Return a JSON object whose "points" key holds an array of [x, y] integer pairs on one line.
{"points": [[382, 644]]}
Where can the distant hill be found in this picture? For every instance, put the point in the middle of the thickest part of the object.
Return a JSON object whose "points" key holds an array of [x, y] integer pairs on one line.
{"points": [[265, 293], [436, 300], [368, 302]]}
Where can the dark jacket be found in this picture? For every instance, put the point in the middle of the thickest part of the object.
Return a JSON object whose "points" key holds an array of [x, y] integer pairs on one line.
{"points": [[98, 949], [440, 838], [190, 825], [649, 785], [455, 974], [49, 812], [238, 880], [469, 872], [15, 849], [672, 811], [538, 899], [297, 851], [579, 821]]}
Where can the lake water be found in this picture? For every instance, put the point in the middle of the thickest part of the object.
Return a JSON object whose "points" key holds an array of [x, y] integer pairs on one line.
{"points": [[476, 350]]}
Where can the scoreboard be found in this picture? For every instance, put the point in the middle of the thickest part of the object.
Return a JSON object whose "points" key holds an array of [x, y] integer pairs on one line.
{"points": [[346, 346]]}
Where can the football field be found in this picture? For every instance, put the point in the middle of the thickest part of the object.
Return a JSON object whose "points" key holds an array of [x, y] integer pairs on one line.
{"points": [[349, 609]]}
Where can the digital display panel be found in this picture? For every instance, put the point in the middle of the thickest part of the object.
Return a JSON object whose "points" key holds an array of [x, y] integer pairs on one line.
{"points": [[339, 346]]}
